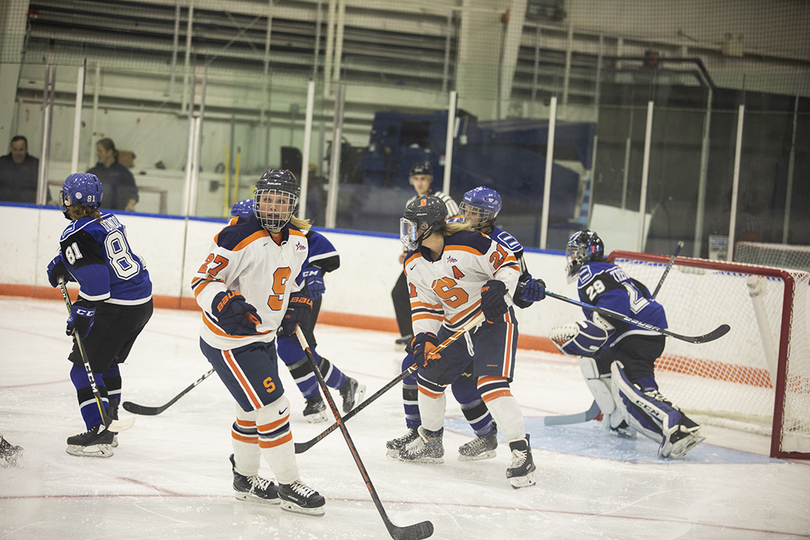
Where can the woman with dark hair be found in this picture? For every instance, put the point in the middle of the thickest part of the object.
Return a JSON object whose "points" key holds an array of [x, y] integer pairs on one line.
{"points": [[120, 191]]}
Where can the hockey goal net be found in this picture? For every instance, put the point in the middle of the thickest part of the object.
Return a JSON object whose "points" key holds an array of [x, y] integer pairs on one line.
{"points": [[755, 378]]}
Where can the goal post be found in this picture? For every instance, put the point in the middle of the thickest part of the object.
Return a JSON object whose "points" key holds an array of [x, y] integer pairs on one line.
{"points": [[757, 377]]}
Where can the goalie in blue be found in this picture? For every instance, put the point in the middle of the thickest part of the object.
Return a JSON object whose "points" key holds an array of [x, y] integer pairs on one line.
{"points": [[617, 358]]}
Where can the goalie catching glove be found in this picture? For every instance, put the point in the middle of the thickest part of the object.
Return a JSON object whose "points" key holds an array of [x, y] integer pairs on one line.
{"points": [[422, 345], [298, 313], [584, 338], [234, 315]]}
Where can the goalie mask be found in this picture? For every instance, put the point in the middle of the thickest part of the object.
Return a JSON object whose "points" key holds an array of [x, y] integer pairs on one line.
{"points": [[81, 188], [275, 199], [583, 247], [480, 207], [422, 217]]}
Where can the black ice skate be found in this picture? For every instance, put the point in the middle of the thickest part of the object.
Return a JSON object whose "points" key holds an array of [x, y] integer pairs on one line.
{"points": [[352, 393], [480, 447], [402, 343], [298, 497], [315, 410], [395, 445], [521, 472], [9, 453], [624, 431], [254, 488], [426, 448], [95, 442]]}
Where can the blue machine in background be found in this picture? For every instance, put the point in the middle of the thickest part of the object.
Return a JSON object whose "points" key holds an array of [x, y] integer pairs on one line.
{"points": [[506, 155]]}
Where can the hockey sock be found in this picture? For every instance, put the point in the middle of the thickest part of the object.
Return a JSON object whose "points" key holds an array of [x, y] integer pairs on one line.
{"points": [[112, 380], [84, 393], [432, 404], [245, 441], [502, 404], [473, 407], [331, 374], [410, 399], [304, 377], [276, 441]]}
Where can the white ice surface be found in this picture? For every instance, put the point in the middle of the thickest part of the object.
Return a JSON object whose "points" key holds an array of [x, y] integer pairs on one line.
{"points": [[170, 477]]}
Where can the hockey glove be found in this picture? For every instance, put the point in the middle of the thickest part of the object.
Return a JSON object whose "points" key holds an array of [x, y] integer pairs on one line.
{"points": [[493, 302], [56, 269], [234, 315], [422, 345], [80, 320], [531, 290], [298, 313], [315, 286]]}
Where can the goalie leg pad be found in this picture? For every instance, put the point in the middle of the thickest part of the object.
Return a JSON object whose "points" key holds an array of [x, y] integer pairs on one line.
{"points": [[648, 413], [598, 384]]}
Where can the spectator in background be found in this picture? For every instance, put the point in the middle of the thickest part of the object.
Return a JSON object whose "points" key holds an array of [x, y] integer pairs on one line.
{"points": [[120, 191], [19, 172]]}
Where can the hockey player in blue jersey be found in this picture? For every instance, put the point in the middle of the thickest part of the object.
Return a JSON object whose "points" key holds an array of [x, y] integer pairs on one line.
{"points": [[247, 292], [323, 258], [114, 304], [617, 358], [480, 207]]}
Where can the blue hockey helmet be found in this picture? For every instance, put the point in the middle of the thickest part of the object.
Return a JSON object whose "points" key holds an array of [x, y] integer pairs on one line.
{"points": [[480, 207], [422, 217], [583, 247], [81, 188], [275, 199], [242, 208]]}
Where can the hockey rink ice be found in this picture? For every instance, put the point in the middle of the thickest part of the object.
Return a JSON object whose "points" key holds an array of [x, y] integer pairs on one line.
{"points": [[170, 478]]}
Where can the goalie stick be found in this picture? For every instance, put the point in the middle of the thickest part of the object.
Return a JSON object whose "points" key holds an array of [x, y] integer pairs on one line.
{"points": [[300, 448], [576, 418], [594, 410], [718, 332], [109, 423], [417, 531], [134, 408]]}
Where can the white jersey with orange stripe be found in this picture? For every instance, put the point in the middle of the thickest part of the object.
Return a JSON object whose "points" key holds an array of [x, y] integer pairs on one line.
{"points": [[448, 291], [244, 257]]}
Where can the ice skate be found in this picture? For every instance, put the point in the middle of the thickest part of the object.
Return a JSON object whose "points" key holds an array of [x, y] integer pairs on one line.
{"points": [[9, 453], [521, 472], [254, 488], [352, 393], [624, 431], [298, 497], [402, 343], [95, 442], [395, 445], [682, 439], [315, 410], [425, 448], [480, 447]]}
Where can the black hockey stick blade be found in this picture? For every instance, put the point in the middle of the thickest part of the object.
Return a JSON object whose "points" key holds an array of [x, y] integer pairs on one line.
{"points": [[718, 332], [144, 410], [300, 448], [576, 418], [417, 531]]}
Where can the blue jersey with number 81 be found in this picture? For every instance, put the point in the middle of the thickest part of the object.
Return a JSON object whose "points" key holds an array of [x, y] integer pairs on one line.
{"points": [[607, 286], [99, 257]]}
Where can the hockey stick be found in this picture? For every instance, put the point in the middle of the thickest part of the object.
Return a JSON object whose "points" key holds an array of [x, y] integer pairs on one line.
{"points": [[718, 332], [417, 531], [666, 271], [300, 448], [134, 408], [109, 423], [576, 418]]}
